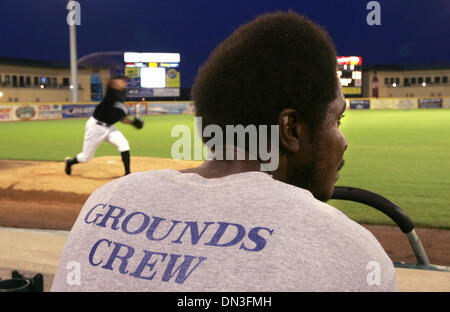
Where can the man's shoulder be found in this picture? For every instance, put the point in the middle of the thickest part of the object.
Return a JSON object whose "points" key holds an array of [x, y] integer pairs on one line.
{"points": [[339, 223], [328, 221], [141, 176], [131, 182]]}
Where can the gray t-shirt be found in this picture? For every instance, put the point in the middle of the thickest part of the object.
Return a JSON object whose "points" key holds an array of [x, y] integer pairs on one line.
{"points": [[167, 231]]}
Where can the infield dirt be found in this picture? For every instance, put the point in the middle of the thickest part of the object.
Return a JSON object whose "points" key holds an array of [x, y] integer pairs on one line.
{"points": [[36, 194]]}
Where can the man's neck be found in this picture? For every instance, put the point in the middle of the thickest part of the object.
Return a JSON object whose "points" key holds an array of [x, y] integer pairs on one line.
{"points": [[213, 168]]}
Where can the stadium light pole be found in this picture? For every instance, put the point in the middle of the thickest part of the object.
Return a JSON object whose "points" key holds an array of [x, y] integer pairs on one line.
{"points": [[73, 58]]}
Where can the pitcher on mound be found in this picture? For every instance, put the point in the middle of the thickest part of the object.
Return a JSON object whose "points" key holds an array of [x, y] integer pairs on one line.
{"points": [[100, 127]]}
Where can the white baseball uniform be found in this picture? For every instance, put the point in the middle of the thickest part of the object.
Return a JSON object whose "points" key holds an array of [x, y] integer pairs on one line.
{"points": [[100, 128], [97, 132]]}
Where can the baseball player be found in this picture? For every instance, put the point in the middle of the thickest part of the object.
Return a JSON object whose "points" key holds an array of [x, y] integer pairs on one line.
{"points": [[100, 127]]}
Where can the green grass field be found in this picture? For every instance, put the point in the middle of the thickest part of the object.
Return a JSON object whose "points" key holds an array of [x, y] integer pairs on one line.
{"points": [[402, 155]]}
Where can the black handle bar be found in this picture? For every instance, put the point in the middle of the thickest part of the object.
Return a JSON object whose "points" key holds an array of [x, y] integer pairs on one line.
{"points": [[376, 201]]}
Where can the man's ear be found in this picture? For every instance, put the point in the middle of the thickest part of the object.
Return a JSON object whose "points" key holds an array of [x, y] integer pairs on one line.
{"points": [[289, 125]]}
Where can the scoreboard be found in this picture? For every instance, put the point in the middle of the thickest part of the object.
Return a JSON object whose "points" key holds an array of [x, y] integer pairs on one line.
{"points": [[152, 74], [350, 74]]}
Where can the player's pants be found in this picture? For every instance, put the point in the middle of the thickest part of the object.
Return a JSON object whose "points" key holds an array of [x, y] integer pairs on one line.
{"points": [[95, 134]]}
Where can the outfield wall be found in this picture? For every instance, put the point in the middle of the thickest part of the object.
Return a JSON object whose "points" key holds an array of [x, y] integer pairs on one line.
{"points": [[398, 103], [56, 111]]}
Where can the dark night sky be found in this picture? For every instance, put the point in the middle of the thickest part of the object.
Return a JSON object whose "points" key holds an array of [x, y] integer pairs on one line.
{"points": [[411, 31]]}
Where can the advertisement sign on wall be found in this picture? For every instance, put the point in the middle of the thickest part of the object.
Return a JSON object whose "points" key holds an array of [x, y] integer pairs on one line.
{"points": [[381, 103], [25, 112], [5, 112], [158, 108], [78, 110], [446, 102], [407, 103], [430, 103], [359, 104], [132, 108], [50, 111]]}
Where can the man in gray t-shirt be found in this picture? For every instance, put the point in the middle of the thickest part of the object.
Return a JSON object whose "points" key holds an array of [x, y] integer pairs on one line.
{"points": [[231, 225]]}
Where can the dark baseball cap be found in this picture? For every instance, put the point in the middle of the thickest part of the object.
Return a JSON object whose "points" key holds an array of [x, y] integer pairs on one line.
{"points": [[120, 76]]}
